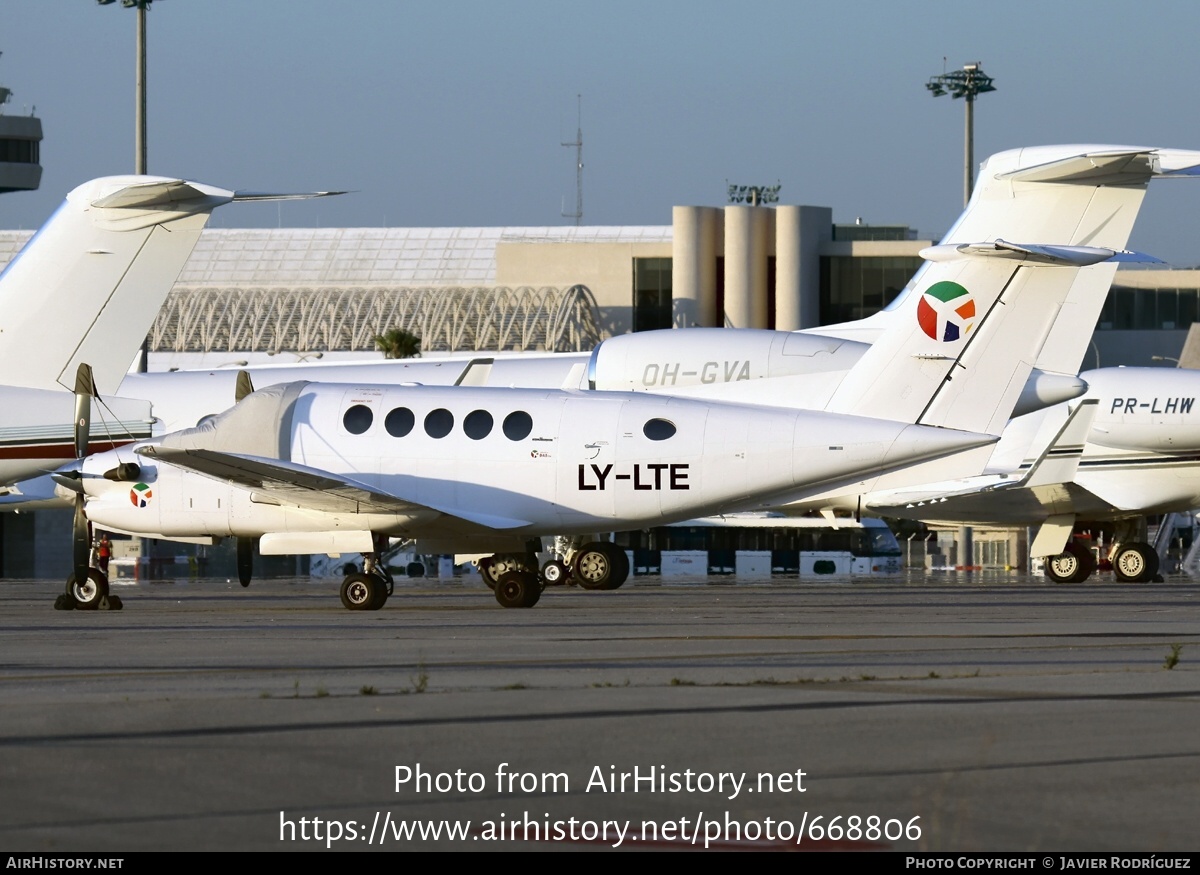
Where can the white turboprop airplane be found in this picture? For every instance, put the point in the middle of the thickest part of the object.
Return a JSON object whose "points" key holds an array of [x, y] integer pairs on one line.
{"points": [[91, 278], [473, 470]]}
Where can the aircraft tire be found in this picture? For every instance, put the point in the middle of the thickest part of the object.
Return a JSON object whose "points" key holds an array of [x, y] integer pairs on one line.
{"points": [[1135, 562], [360, 592], [415, 569], [1073, 565], [88, 595], [594, 565], [620, 563], [555, 573], [518, 589]]}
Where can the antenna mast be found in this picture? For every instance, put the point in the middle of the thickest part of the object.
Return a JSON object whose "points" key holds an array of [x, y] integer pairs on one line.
{"points": [[578, 144]]}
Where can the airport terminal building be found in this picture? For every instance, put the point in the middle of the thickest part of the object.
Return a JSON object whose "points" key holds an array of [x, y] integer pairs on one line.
{"points": [[331, 290]]}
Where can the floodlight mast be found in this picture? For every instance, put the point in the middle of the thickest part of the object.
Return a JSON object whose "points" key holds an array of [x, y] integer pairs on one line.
{"points": [[139, 119], [965, 83]]}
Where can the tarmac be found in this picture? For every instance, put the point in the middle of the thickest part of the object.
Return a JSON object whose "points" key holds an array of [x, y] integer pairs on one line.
{"points": [[967, 712]]}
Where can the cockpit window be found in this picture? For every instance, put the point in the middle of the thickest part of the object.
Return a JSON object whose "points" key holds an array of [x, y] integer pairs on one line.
{"points": [[358, 419], [518, 425], [658, 429]]}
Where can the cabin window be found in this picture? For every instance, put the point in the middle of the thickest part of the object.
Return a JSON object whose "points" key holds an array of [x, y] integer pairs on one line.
{"points": [[518, 425], [658, 429], [478, 424], [358, 419], [399, 422], [438, 423]]}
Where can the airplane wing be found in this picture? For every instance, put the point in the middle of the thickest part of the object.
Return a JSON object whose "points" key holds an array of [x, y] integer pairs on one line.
{"points": [[301, 486]]}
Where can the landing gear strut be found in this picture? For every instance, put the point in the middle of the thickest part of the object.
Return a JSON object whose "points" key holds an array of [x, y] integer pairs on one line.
{"points": [[368, 590]]}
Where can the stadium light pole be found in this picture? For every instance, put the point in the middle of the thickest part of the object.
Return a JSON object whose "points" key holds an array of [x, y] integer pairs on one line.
{"points": [[967, 83], [139, 117]]}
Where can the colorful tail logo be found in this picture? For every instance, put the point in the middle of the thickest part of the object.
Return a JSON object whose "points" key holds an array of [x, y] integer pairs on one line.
{"points": [[946, 311]]}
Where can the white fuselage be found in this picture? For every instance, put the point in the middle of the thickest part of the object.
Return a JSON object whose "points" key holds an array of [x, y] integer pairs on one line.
{"points": [[482, 464]]}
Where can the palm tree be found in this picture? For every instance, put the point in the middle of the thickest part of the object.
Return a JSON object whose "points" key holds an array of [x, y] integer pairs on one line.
{"points": [[397, 343]]}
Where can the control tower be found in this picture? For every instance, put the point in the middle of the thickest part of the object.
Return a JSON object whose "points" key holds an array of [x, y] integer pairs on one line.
{"points": [[20, 147]]}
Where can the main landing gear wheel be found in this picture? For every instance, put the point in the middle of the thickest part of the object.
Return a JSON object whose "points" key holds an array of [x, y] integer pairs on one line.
{"points": [[555, 573], [518, 589], [363, 592], [88, 594], [620, 565], [1135, 563], [597, 566], [492, 568], [1073, 565]]}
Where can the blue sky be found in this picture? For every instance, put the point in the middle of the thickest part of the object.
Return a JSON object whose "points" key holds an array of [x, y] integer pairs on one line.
{"points": [[453, 113]]}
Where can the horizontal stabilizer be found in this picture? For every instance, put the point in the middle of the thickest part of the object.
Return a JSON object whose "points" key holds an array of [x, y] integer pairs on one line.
{"points": [[156, 193], [1093, 168], [281, 196], [1032, 254]]}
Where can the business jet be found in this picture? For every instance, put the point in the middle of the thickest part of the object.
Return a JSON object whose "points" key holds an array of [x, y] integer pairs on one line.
{"points": [[342, 467], [1135, 452]]}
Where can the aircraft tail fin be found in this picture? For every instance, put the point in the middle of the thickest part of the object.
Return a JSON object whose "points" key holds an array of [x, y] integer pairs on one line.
{"points": [[88, 285], [1079, 195], [959, 356]]}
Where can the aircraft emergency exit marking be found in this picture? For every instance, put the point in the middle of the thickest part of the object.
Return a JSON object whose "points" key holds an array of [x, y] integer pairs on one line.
{"points": [[1155, 405], [649, 476]]}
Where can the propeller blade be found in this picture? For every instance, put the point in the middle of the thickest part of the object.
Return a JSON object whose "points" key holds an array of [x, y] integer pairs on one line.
{"points": [[85, 389]]}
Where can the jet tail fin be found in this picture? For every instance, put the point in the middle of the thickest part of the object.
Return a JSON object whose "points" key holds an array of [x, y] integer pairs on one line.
{"points": [[959, 355], [88, 285]]}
